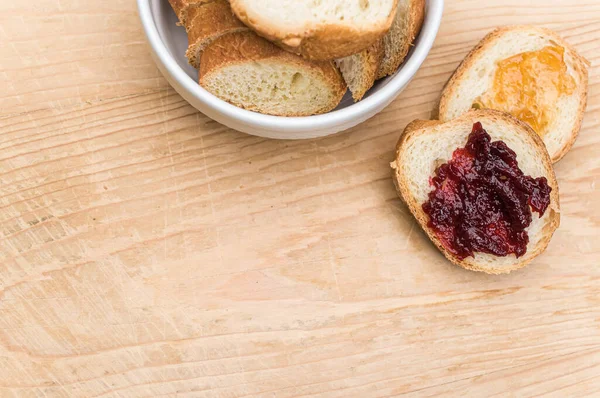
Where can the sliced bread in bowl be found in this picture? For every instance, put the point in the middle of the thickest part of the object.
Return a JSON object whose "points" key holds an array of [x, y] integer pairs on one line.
{"points": [[319, 30], [425, 145], [403, 32], [551, 98], [183, 7], [360, 70], [252, 73], [206, 23]]}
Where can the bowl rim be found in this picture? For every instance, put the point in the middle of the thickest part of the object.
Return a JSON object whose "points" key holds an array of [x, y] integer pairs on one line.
{"points": [[385, 94]]}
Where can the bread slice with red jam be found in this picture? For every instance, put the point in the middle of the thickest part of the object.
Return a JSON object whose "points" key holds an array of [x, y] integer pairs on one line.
{"points": [[481, 186]]}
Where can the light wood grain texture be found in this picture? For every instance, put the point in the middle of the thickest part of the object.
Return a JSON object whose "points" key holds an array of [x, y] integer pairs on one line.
{"points": [[146, 250]]}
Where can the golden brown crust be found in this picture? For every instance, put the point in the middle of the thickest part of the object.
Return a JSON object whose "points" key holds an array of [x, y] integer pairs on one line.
{"points": [[415, 15], [487, 42], [420, 124], [183, 7], [319, 43], [178, 6], [419, 127], [207, 23], [330, 42], [246, 47]]}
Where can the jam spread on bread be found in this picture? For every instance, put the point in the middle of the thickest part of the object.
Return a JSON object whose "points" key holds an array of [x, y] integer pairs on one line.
{"points": [[528, 86], [482, 201]]}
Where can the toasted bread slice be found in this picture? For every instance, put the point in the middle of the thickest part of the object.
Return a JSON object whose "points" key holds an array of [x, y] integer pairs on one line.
{"points": [[397, 42], [475, 76], [250, 72], [206, 23], [318, 30], [426, 144], [359, 70]]}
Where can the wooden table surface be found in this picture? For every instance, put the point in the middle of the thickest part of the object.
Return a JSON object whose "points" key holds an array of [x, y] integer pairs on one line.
{"points": [[146, 250]]}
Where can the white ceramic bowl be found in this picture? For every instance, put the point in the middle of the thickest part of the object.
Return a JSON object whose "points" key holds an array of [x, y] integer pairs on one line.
{"points": [[169, 42]]}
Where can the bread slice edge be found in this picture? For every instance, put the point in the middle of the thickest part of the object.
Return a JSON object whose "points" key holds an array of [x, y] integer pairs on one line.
{"points": [[207, 22], [321, 42], [394, 57], [360, 70]]}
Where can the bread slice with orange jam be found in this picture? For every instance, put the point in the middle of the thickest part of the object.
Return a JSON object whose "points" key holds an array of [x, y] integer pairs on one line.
{"points": [[425, 145], [529, 72]]}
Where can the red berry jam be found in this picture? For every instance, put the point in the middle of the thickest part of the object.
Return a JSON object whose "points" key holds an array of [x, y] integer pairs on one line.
{"points": [[482, 201]]}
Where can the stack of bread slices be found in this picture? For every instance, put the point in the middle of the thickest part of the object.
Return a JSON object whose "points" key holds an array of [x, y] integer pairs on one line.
{"points": [[296, 58]]}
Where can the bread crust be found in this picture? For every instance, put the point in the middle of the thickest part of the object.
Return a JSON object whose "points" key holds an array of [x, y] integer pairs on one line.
{"points": [[244, 47], [182, 8], [319, 43], [393, 59], [206, 23], [368, 62], [372, 59], [553, 212], [178, 6], [580, 66]]}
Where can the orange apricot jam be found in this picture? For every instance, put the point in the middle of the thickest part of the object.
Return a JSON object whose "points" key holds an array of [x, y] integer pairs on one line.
{"points": [[528, 86]]}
